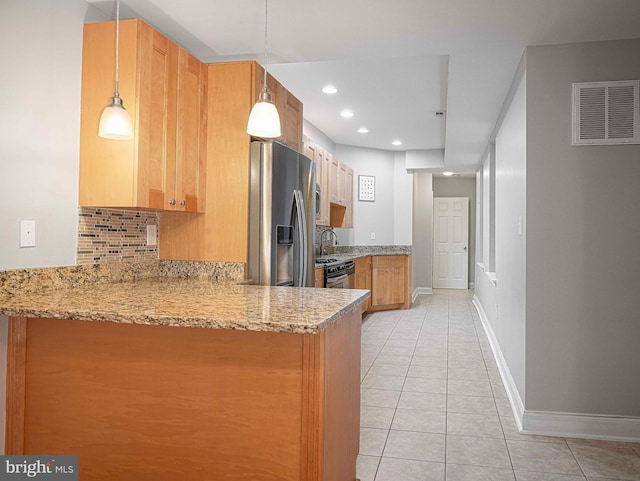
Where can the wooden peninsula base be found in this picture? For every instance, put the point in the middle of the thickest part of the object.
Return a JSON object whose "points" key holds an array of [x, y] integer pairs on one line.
{"points": [[144, 402]]}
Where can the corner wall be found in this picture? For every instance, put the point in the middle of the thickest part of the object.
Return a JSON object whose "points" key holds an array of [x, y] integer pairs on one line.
{"points": [[422, 236], [583, 207], [41, 48]]}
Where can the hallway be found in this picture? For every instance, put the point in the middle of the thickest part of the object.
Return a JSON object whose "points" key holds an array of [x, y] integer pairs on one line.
{"points": [[433, 407]]}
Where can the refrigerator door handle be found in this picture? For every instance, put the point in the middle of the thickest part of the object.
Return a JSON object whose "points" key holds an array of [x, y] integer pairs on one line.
{"points": [[302, 238]]}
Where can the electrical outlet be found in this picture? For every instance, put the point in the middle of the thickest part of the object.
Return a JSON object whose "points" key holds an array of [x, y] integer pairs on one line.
{"points": [[152, 234], [27, 233], [373, 236]]}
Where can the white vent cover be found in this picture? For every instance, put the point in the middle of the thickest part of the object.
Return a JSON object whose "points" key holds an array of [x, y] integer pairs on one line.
{"points": [[606, 113]]}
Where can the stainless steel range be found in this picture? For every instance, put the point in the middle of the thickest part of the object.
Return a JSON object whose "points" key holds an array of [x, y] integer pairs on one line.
{"points": [[338, 273]]}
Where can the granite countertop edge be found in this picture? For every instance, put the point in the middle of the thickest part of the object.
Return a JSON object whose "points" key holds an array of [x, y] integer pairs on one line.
{"points": [[223, 305]]}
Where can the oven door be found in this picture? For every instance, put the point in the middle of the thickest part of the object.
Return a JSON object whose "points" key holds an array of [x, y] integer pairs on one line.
{"points": [[340, 282]]}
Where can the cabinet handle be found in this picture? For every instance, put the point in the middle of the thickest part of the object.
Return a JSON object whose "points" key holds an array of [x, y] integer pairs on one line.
{"points": [[183, 203], [172, 202]]}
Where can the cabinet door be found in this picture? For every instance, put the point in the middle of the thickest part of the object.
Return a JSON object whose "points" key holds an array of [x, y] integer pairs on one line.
{"points": [[367, 285], [380, 286], [397, 288], [334, 169], [348, 201], [290, 109], [319, 278], [342, 183], [326, 173], [191, 159], [156, 119]]}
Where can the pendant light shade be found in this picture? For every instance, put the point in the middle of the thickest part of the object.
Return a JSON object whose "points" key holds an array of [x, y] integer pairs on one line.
{"points": [[115, 123], [264, 121]]}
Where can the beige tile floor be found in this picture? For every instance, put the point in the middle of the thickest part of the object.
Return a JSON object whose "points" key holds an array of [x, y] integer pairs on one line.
{"points": [[433, 407]]}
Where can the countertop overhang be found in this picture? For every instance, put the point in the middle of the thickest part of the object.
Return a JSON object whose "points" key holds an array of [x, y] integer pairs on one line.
{"points": [[190, 303]]}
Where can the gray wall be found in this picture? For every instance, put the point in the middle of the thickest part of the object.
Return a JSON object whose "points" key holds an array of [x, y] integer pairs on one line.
{"points": [[379, 216], [422, 268], [583, 275], [41, 51], [461, 187]]}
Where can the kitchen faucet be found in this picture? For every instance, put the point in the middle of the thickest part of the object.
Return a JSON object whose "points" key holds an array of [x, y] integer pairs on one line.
{"points": [[322, 238]]}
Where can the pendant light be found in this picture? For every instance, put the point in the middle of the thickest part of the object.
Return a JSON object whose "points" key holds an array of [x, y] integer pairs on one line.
{"points": [[115, 122], [264, 121]]}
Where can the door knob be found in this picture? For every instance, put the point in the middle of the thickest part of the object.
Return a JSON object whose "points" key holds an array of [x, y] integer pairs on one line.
{"points": [[465, 247]]}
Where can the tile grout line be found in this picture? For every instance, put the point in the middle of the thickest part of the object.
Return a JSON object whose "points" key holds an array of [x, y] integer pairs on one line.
{"points": [[446, 396]]}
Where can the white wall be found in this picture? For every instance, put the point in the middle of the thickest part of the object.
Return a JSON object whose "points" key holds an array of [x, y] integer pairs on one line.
{"points": [[368, 217], [402, 201], [583, 275], [41, 52], [510, 200]]}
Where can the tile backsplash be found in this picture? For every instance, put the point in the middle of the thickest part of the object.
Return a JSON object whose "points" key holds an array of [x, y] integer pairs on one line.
{"points": [[107, 236]]}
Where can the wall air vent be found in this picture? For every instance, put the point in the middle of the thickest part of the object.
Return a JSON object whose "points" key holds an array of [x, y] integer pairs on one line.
{"points": [[606, 113]]}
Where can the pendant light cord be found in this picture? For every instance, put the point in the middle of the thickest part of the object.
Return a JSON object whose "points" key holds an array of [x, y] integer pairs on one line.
{"points": [[117, 42], [266, 10]]}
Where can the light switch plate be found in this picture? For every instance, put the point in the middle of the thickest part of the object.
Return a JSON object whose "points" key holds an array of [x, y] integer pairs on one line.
{"points": [[27, 233], [152, 234]]}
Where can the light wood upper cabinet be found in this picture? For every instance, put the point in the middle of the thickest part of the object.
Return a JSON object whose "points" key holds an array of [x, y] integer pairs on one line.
{"points": [[333, 179], [317, 154], [391, 282], [164, 91], [337, 188], [290, 109], [348, 197], [221, 233], [191, 145]]}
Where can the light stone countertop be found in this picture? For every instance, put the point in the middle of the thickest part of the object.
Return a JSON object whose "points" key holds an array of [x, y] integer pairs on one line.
{"points": [[190, 303]]}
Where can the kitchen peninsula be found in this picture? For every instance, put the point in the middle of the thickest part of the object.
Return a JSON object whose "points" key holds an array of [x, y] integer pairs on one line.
{"points": [[190, 379]]}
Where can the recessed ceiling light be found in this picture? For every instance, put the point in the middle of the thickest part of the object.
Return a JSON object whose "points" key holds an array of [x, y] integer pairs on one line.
{"points": [[329, 89], [347, 114], [448, 174], [396, 142], [363, 130]]}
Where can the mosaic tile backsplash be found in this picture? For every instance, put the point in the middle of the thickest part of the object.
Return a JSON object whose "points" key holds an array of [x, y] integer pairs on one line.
{"points": [[106, 236]]}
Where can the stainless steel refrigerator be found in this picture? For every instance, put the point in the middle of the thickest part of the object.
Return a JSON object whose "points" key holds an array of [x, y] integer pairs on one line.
{"points": [[281, 216]]}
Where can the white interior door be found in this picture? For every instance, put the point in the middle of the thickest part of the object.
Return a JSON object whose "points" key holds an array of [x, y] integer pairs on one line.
{"points": [[451, 242]]}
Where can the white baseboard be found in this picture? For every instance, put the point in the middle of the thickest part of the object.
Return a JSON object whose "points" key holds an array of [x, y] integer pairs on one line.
{"points": [[574, 425], [418, 291], [517, 406], [570, 425]]}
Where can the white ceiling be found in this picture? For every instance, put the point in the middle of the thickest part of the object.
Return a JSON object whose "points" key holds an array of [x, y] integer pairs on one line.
{"points": [[394, 63]]}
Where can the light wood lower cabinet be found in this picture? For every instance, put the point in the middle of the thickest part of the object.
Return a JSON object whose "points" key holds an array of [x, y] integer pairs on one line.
{"points": [[391, 282], [164, 90], [166, 403], [319, 277], [363, 279]]}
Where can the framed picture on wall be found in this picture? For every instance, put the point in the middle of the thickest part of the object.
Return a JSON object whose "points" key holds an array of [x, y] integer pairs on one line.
{"points": [[366, 188]]}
